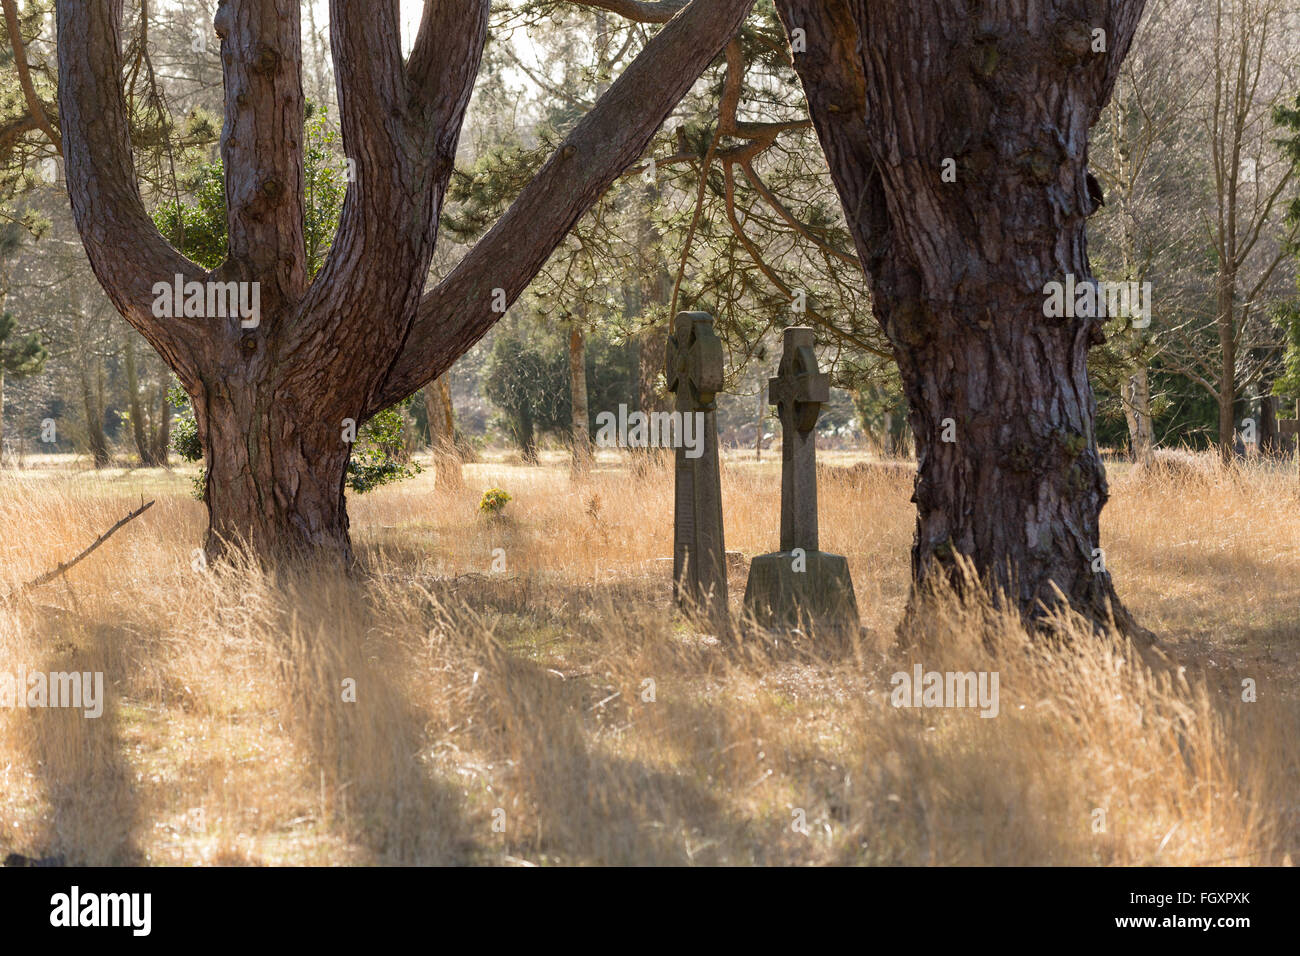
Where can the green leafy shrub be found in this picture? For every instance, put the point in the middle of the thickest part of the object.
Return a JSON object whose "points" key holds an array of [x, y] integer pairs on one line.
{"points": [[493, 502], [379, 455]]}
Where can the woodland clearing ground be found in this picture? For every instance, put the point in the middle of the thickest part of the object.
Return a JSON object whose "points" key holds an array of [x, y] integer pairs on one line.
{"points": [[225, 738]]}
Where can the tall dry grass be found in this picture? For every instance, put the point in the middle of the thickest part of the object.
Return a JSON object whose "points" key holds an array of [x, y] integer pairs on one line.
{"points": [[559, 712]]}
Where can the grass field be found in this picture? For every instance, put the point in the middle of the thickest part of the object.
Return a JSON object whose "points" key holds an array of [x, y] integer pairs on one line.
{"points": [[504, 717]]}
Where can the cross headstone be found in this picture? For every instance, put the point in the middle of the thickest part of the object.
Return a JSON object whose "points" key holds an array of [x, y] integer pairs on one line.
{"points": [[800, 585], [798, 392], [694, 374], [1290, 427]]}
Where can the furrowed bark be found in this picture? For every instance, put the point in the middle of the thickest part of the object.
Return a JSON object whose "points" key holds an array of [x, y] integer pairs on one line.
{"points": [[276, 418], [458, 311], [125, 250], [261, 149], [275, 402], [957, 270]]}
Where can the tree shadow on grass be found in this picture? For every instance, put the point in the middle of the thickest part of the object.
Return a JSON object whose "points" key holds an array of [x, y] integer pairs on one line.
{"points": [[80, 761], [581, 801], [367, 748]]}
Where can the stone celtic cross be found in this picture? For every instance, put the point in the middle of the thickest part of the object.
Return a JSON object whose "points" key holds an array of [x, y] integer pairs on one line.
{"points": [[798, 392], [693, 369], [800, 587]]}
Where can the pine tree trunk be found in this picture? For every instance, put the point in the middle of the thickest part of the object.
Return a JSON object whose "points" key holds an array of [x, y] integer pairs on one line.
{"points": [[442, 434], [580, 433], [276, 468], [271, 398], [1227, 390], [1009, 480], [1137, 412]]}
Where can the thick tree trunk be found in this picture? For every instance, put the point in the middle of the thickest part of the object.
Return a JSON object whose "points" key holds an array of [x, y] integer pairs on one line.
{"points": [[1009, 478], [579, 431], [276, 468], [271, 398]]}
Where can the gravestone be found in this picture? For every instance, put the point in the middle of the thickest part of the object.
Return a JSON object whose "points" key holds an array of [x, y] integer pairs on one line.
{"points": [[800, 586], [693, 369], [1290, 428]]}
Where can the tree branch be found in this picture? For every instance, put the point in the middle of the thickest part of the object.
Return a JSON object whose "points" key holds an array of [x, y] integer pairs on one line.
{"points": [[67, 566], [34, 104], [261, 148], [400, 127], [456, 314], [641, 11], [125, 249]]}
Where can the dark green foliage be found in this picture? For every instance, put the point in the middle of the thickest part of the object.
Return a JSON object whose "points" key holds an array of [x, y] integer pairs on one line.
{"points": [[1288, 315], [379, 456], [24, 355], [185, 431], [527, 379], [530, 387]]}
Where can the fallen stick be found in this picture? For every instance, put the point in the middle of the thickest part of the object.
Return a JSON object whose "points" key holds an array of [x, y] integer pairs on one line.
{"points": [[49, 576]]}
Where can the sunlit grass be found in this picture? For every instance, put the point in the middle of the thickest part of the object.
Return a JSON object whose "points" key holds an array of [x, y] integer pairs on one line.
{"points": [[504, 717]]}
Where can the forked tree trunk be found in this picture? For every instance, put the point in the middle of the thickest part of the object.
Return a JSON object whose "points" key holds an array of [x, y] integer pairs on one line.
{"points": [[276, 469], [274, 400], [1009, 477]]}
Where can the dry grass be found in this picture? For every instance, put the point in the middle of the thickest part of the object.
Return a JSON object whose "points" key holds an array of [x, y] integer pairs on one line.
{"points": [[503, 718]]}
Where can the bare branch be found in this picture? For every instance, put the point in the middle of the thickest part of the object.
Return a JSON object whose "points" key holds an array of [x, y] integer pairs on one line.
{"points": [[67, 566]]}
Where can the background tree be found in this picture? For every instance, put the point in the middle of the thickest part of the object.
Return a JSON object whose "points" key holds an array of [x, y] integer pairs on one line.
{"points": [[1235, 345], [20, 356], [958, 269]]}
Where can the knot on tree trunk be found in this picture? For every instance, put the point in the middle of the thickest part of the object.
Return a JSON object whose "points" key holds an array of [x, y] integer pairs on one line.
{"points": [[267, 60]]}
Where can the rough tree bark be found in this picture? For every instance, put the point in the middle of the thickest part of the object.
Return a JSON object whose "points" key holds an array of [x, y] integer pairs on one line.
{"points": [[957, 270], [272, 402], [440, 412]]}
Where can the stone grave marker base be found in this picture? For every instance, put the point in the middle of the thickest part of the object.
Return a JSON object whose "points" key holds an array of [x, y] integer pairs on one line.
{"points": [[818, 600]]}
